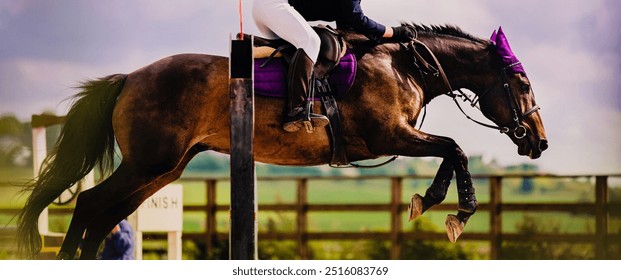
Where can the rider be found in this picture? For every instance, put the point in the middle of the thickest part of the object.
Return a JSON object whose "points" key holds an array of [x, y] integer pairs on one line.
{"points": [[287, 19]]}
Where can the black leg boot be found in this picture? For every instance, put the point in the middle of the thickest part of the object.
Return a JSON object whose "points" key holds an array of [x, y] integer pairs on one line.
{"points": [[299, 82]]}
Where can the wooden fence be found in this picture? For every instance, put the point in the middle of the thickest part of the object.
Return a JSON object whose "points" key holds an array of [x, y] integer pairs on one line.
{"points": [[600, 209]]}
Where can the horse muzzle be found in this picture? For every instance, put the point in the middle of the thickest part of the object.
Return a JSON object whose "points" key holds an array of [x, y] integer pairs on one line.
{"points": [[537, 149], [543, 145]]}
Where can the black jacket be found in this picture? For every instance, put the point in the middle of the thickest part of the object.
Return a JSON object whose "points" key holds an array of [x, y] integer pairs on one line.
{"points": [[346, 13]]}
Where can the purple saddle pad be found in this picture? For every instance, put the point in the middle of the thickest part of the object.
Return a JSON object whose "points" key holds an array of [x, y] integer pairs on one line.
{"points": [[271, 80]]}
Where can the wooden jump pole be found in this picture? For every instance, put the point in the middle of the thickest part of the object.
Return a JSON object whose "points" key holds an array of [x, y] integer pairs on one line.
{"points": [[243, 213]]}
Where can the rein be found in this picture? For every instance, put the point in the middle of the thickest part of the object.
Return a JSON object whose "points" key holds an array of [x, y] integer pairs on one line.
{"points": [[355, 165], [519, 131]]}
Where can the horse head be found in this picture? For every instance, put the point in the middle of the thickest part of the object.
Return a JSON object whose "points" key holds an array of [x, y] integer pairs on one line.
{"points": [[509, 100]]}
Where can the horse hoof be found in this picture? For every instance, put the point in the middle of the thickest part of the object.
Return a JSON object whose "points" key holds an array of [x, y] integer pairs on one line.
{"points": [[416, 207], [454, 227]]}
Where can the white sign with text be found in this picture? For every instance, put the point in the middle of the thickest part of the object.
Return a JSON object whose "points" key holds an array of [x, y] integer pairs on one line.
{"points": [[163, 211]]}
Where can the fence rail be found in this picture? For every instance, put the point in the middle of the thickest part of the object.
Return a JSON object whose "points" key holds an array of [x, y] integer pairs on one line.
{"points": [[601, 209]]}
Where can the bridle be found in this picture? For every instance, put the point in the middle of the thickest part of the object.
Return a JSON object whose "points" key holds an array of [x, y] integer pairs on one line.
{"points": [[519, 130]]}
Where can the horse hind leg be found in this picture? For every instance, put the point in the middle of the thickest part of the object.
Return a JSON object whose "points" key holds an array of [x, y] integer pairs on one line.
{"points": [[101, 226], [93, 202]]}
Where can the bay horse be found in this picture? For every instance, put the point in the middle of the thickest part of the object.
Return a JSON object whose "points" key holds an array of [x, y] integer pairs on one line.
{"points": [[165, 113]]}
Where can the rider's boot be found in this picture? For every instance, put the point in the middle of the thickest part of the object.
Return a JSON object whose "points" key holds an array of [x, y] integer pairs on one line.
{"points": [[299, 83]]}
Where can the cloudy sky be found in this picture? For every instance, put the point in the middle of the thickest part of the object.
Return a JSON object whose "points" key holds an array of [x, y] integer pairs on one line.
{"points": [[570, 49]]}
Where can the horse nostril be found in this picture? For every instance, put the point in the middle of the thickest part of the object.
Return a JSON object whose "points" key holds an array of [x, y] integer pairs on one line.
{"points": [[543, 145]]}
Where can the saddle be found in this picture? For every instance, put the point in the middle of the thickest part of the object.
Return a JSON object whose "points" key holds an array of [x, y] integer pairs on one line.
{"points": [[332, 50], [334, 73]]}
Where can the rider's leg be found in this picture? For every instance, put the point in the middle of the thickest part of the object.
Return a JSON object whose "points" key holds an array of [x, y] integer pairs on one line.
{"points": [[278, 18], [298, 82]]}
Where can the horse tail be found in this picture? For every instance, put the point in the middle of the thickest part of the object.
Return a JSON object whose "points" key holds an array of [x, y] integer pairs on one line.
{"points": [[86, 140]]}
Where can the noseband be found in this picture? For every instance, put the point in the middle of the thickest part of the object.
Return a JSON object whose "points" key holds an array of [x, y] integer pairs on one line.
{"points": [[519, 131]]}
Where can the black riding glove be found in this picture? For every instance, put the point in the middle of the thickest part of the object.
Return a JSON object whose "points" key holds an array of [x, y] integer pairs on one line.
{"points": [[402, 34]]}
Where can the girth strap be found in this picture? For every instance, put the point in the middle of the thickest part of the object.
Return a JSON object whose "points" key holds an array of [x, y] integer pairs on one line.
{"points": [[335, 128]]}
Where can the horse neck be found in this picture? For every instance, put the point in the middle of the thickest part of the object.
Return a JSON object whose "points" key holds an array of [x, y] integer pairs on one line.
{"points": [[467, 64]]}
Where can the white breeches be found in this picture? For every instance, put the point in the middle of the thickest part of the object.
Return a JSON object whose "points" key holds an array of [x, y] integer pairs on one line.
{"points": [[277, 19]]}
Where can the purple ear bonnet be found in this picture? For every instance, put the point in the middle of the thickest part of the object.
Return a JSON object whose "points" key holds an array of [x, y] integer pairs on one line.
{"points": [[505, 52]]}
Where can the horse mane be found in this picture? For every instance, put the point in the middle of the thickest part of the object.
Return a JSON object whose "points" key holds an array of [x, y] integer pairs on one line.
{"points": [[444, 30], [421, 30]]}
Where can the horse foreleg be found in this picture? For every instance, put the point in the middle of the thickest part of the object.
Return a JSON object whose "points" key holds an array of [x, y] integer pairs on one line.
{"points": [[467, 204], [409, 142], [435, 194]]}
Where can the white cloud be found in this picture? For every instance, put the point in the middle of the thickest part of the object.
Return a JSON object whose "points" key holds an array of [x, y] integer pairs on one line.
{"points": [[38, 85]]}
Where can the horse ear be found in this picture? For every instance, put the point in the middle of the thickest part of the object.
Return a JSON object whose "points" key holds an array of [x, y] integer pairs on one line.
{"points": [[502, 42], [493, 37]]}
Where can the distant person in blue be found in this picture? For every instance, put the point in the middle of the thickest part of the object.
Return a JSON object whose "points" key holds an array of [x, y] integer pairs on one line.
{"points": [[288, 19], [119, 244]]}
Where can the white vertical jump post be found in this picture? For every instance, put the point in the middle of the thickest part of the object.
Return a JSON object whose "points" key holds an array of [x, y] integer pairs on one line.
{"points": [[243, 213], [162, 212], [39, 125]]}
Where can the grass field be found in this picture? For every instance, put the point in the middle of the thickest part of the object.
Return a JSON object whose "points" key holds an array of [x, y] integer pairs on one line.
{"points": [[11, 180]]}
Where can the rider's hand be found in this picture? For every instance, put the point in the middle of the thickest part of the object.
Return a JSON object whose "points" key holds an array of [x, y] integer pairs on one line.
{"points": [[402, 34]]}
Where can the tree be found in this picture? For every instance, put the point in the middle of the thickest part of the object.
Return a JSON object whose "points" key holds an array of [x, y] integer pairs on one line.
{"points": [[12, 149], [10, 126]]}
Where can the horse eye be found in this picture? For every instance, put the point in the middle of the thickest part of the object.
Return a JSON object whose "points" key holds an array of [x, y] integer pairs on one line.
{"points": [[525, 88]]}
